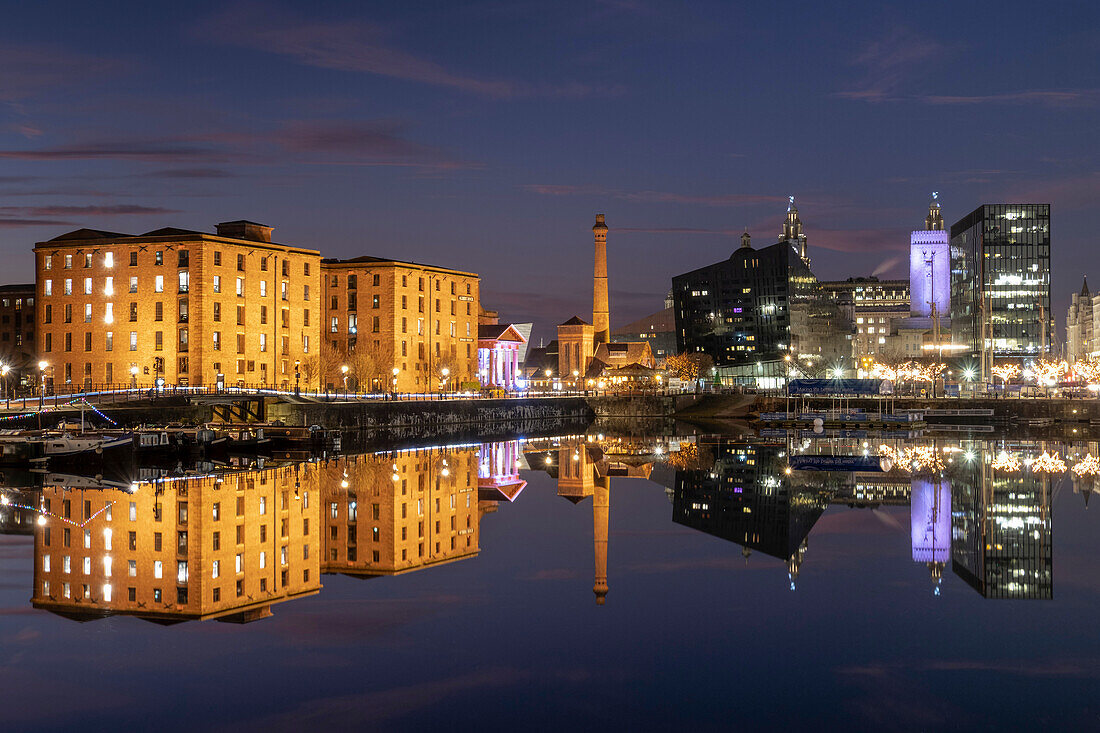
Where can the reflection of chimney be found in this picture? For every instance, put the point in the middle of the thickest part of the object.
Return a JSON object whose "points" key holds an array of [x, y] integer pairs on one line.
{"points": [[601, 510], [601, 319]]}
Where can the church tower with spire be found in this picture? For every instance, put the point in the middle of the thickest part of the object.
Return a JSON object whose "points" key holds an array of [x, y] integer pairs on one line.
{"points": [[792, 232]]}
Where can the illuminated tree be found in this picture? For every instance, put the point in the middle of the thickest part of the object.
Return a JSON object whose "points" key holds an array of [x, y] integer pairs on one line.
{"points": [[689, 366], [1005, 372]]}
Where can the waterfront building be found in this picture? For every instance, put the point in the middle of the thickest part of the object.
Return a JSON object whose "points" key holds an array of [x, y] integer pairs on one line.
{"points": [[396, 513], [1082, 329], [498, 356], [1000, 282], [17, 342], [750, 311], [792, 233], [657, 329], [224, 547], [175, 306], [873, 306], [930, 266], [416, 319]]}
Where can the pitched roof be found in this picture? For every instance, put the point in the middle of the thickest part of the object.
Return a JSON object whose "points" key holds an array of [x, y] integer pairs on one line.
{"points": [[1085, 288], [499, 332], [169, 232], [576, 321], [88, 234]]}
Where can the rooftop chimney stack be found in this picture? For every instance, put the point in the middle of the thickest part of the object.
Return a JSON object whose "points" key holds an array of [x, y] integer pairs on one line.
{"points": [[244, 230]]}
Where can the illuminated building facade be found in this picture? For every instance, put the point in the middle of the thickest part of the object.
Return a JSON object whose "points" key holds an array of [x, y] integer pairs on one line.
{"points": [[873, 307], [17, 325], [751, 310], [185, 307], [382, 315], [224, 547], [498, 356], [1081, 326], [1000, 281], [930, 266]]}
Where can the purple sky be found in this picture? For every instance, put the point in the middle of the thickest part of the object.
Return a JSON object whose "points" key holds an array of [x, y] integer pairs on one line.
{"points": [[486, 135]]}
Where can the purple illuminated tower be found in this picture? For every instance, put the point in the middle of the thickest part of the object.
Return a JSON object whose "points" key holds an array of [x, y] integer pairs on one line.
{"points": [[930, 266]]}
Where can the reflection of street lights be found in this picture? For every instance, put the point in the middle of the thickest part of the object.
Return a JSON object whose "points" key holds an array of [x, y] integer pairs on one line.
{"points": [[297, 377]]}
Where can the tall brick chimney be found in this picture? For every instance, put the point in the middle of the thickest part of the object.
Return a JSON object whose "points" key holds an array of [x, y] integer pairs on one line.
{"points": [[601, 318]]}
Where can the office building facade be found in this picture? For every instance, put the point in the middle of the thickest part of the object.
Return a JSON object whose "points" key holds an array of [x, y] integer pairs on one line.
{"points": [[1000, 282], [874, 307], [17, 327]]}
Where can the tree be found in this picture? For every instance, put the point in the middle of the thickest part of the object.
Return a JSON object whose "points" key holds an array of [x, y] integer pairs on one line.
{"points": [[690, 366]]}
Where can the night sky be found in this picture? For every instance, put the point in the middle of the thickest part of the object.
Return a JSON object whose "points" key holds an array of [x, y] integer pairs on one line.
{"points": [[486, 135]]}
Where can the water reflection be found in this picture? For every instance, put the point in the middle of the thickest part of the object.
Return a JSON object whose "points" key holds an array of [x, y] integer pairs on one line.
{"points": [[233, 545]]}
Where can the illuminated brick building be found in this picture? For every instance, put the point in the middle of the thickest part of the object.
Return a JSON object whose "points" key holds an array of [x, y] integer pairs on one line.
{"points": [[187, 307], [17, 346], [223, 547], [382, 315]]}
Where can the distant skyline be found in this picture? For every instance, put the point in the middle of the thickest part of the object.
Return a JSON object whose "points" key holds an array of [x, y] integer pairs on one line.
{"points": [[486, 136]]}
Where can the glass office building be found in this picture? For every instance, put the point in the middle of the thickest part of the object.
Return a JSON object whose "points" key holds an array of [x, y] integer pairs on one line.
{"points": [[1000, 281]]}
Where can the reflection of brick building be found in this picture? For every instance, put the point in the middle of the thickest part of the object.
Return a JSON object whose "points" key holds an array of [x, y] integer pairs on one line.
{"points": [[224, 548], [176, 304], [383, 314], [391, 514]]}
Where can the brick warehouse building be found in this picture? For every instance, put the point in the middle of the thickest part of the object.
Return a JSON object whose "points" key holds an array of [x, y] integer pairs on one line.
{"points": [[385, 314], [17, 344], [175, 304], [196, 309]]}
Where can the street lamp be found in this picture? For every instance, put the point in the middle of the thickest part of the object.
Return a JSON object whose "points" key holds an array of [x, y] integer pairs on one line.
{"points": [[344, 371], [575, 375], [133, 376], [297, 377], [446, 378], [787, 384], [42, 392], [396, 371]]}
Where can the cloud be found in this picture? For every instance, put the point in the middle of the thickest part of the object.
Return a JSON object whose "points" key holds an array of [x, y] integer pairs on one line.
{"points": [[14, 223], [660, 197], [355, 46], [1042, 97], [120, 210], [352, 142], [28, 70], [888, 62], [190, 173]]}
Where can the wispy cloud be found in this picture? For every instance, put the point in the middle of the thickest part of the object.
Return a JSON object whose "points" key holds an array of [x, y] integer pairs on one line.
{"points": [[120, 210], [351, 142], [17, 223], [660, 197], [1041, 97], [29, 70], [888, 62], [356, 46]]}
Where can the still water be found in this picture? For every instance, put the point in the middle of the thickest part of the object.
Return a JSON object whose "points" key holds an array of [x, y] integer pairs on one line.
{"points": [[675, 582]]}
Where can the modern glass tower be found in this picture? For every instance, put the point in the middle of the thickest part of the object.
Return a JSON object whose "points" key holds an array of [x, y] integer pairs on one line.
{"points": [[1000, 282]]}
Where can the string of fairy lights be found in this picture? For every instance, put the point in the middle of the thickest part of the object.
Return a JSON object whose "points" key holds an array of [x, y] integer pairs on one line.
{"points": [[79, 402], [43, 513]]}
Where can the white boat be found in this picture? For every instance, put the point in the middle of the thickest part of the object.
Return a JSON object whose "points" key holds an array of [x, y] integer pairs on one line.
{"points": [[55, 446]]}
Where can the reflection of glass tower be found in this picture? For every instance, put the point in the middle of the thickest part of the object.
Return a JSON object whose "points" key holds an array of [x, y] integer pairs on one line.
{"points": [[747, 498], [1001, 532]]}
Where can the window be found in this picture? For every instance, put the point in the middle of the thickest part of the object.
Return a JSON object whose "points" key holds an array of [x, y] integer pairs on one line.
{"points": [[240, 263], [133, 341], [133, 312], [158, 284], [263, 342], [68, 262], [110, 343], [305, 293], [158, 569], [353, 323], [87, 286], [185, 280], [305, 269], [47, 262], [284, 290], [47, 287], [133, 283], [375, 303], [335, 324], [87, 312], [159, 259], [240, 315], [158, 311], [88, 259], [217, 283], [133, 259], [263, 288], [68, 287], [263, 264], [217, 259], [215, 569], [305, 344], [217, 312], [375, 325], [109, 286], [240, 286], [286, 267]]}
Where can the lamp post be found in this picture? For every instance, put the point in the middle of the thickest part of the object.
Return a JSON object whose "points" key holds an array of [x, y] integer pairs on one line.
{"points": [[4, 369], [446, 378], [297, 377], [42, 391], [133, 376], [344, 371], [787, 384], [396, 371], [547, 374], [575, 375]]}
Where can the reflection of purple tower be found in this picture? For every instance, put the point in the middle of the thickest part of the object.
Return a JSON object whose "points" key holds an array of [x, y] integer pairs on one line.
{"points": [[930, 525], [930, 266]]}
